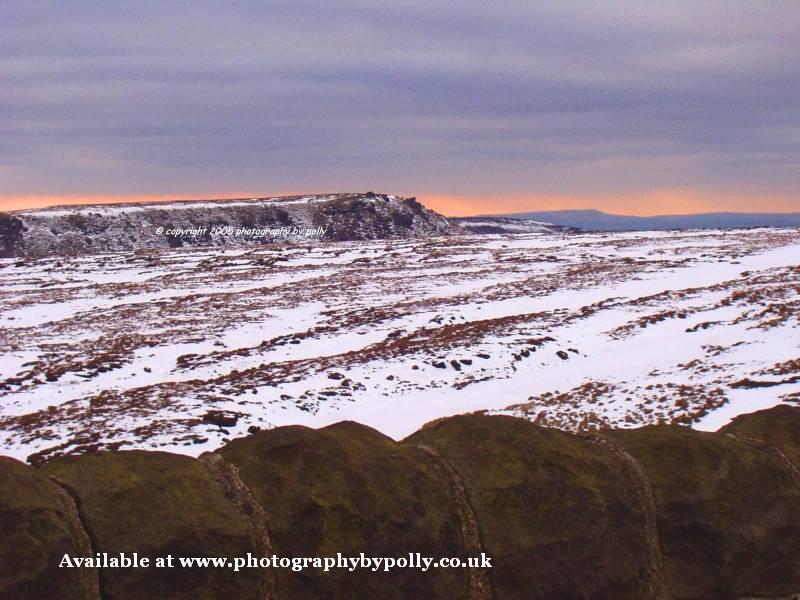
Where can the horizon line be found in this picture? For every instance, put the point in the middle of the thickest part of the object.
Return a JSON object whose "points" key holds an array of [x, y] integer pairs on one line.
{"points": [[454, 205]]}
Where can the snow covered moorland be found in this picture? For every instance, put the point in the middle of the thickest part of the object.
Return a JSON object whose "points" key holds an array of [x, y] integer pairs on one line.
{"points": [[137, 350]]}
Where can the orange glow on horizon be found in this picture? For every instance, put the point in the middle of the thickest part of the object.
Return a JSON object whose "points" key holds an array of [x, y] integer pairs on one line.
{"points": [[654, 202]]}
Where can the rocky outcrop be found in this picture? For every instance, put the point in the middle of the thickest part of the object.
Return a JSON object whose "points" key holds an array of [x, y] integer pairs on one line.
{"points": [[657, 512], [89, 229], [11, 228]]}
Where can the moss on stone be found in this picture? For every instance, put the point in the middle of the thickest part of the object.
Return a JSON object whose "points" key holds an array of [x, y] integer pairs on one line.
{"points": [[349, 489], [728, 513], [778, 426], [561, 517], [640, 513], [35, 536], [156, 504]]}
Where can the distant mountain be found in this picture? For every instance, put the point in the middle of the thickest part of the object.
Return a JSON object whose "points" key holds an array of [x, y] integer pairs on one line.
{"points": [[88, 229], [490, 225], [595, 220]]}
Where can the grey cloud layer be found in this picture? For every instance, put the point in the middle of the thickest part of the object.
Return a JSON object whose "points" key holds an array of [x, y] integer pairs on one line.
{"points": [[172, 97]]}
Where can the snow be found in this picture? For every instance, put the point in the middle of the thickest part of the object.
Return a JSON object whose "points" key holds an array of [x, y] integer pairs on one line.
{"points": [[117, 209], [218, 329]]}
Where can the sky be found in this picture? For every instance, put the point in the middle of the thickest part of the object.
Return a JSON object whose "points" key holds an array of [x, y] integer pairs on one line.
{"points": [[471, 106]]}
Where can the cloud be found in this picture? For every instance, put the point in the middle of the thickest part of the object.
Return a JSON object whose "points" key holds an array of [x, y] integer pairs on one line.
{"points": [[450, 98]]}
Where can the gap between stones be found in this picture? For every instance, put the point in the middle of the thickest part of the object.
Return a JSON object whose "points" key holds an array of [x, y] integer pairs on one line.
{"points": [[91, 579], [227, 475], [479, 581]]}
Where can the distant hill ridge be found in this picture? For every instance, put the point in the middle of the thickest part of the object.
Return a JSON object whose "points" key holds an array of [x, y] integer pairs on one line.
{"points": [[596, 220], [504, 225], [87, 229], [98, 228]]}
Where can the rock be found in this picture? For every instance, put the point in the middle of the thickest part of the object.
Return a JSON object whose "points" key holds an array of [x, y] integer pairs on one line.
{"points": [[155, 504], [220, 418], [562, 355], [253, 429], [778, 427], [455, 364], [338, 217], [658, 512], [562, 518], [728, 513], [36, 533], [335, 375], [347, 488]]}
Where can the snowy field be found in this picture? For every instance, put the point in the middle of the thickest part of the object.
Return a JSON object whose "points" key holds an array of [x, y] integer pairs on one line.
{"points": [[131, 350]]}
